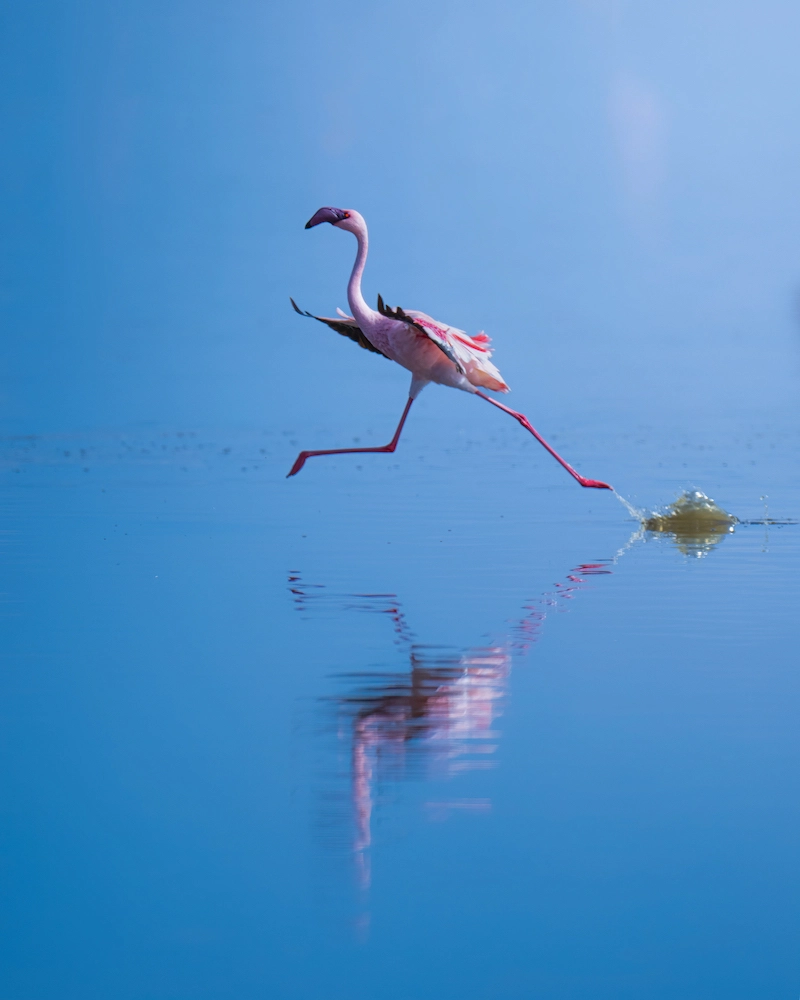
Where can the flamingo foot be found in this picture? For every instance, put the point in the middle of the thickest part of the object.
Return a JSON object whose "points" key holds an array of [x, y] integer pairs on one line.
{"points": [[594, 482], [299, 462]]}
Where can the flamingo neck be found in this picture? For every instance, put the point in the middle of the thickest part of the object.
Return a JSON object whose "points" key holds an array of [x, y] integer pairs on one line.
{"points": [[361, 311]]}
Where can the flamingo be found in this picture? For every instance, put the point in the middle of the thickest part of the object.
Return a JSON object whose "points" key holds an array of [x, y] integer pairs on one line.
{"points": [[431, 351]]}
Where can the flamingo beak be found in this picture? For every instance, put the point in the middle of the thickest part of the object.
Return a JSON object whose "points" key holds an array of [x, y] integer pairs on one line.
{"points": [[332, 215]]}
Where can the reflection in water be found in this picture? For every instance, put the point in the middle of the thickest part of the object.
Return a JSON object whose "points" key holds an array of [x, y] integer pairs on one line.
{"points": [[437, 718]]}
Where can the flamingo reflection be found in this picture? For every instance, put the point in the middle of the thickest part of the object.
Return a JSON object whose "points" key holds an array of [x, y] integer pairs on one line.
{"points": [[438, 717]]}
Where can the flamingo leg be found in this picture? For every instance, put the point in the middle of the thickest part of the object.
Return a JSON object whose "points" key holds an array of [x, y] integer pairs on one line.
{"points": [[300, 461], [529, 427]]}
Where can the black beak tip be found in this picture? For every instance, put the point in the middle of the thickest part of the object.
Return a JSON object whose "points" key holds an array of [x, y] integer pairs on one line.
{"points": [[327, 214]]}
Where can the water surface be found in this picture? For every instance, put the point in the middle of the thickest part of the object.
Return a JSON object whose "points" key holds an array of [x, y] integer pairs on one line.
{"points": [[293, 733]]}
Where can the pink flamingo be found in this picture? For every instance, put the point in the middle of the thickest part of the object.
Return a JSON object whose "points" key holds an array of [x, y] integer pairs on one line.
{"points": [[431, 351]]}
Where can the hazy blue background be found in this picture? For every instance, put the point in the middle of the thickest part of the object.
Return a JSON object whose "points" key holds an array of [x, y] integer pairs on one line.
{"points": [[610, 189]]}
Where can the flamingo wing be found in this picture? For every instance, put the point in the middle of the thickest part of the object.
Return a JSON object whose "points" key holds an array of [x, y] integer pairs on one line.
{"points": [[343, 324], [470, 355]]}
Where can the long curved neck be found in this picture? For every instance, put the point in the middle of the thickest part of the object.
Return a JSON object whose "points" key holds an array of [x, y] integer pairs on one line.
{"points": [[361, 311]]}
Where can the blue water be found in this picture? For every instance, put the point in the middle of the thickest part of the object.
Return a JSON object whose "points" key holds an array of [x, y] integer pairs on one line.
{"points": [[421, 729], [434, 724]]}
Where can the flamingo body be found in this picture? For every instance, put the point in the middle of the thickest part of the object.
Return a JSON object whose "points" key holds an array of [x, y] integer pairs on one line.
{"points": [[432, 351]]}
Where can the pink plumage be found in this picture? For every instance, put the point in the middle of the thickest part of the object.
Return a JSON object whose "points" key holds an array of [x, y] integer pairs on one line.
{"points": [[432, 351]]}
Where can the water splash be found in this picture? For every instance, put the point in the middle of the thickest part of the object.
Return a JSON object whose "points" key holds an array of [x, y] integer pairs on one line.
{"points": [[694, 523], [692, 511], [635, 513]]}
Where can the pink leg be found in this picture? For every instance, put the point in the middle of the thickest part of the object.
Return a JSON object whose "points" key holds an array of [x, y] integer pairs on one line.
{"points": [[527, 425], [387, 448]]}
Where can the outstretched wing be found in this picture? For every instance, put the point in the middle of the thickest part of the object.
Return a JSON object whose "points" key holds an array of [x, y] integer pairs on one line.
{"points": [[470, 355], [425, 325], [345, 325]]}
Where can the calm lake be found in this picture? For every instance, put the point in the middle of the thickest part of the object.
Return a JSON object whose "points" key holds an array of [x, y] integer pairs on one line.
{"points": [[437, 724]]}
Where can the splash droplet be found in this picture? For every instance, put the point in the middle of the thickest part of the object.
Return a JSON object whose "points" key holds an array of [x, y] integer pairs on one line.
{"points": [[633, 511]]}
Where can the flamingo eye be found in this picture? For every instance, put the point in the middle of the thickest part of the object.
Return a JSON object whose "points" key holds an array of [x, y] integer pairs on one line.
{"points": [[347, 215]]}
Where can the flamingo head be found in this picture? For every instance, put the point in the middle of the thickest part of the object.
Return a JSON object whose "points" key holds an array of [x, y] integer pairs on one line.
{"points": [[342, 218]]}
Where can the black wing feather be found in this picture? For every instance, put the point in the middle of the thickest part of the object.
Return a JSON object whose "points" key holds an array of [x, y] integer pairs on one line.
{"points": [[347, 329], [403, 316]]}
